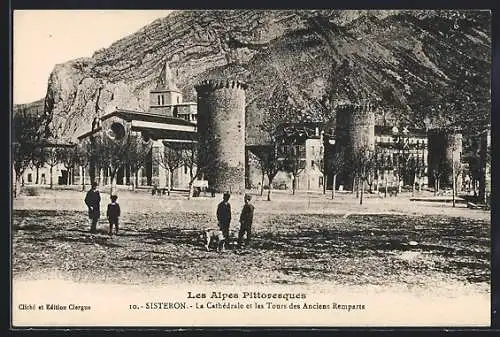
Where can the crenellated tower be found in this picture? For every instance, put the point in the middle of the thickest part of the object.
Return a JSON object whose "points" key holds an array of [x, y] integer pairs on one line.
{"points": [[445, 151], [355, 132], [221, 129]]}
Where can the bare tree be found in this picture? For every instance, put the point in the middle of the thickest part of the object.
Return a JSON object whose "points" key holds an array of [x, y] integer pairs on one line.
{"points": [[27, 134], [67, 157], [113, 153], [138, 149], [386, 164], [438, 172], [171, 159], [457, 172], [269, 163], [83, 155], [293, 162], [52, 159], [199, 161], [333, 163], [257, 162], [38, 160], [363, 165]]}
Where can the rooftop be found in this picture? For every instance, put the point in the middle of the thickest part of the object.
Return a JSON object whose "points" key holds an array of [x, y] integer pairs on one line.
{"points": [[166, 80], [130, 115]]}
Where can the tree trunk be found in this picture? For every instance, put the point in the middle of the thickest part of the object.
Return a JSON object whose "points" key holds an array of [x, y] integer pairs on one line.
{"points": [[51, 182], [453, 186], [386, 185], [170, 177], [269, 190], [413, 185], [136, 178], [293, 184], [362, 189], [16, 185], [36, 181], [454, 191], [132, 180], [83, 178], [333, 186], [357, 187], [262, 185], [324, 183], [111, 180], [190, 195]]}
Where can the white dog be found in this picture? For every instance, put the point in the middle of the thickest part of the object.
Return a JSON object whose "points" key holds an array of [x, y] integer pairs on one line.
{"points": [[216, 235]]}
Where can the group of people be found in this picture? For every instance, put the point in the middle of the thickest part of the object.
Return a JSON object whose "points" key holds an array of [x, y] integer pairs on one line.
{"points": [[246, 218], [93, 201]]}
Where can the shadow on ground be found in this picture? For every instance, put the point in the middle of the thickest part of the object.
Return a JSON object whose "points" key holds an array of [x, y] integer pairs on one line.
{"points": [[354, 249]]}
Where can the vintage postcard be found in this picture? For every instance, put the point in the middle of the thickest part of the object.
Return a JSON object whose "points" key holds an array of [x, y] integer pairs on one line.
{"points": [[244, 168]]}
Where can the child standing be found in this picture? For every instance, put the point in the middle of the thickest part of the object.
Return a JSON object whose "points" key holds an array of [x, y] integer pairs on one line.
{"points": [[246, 220], [113, 214]]}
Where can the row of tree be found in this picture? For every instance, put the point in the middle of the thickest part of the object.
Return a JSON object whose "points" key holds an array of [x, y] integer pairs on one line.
{"points": [[100, 153]]}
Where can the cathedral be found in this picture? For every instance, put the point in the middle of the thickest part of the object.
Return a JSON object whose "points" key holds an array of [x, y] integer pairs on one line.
{"points": [[169, 121]]}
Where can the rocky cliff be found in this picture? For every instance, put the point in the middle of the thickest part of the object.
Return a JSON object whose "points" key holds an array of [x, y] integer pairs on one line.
{"points": [[413, 63]]}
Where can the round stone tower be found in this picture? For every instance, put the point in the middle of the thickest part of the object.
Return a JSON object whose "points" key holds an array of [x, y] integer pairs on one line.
{"points": [[445, 150], [354, 133], [221, 130]]}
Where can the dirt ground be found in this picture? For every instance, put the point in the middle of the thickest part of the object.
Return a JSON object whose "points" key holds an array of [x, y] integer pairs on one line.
{"points": [[299, 239]]}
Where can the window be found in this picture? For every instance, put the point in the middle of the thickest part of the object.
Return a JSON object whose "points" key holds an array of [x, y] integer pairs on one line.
{"points": [[302, 151], [30, 177], [159, 100], [185, 169], [312, 163], [178, 99], [117, 131], [320, 181]]}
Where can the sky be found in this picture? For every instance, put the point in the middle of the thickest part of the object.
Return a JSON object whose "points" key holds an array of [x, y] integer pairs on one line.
{"points": [[44, 38]]}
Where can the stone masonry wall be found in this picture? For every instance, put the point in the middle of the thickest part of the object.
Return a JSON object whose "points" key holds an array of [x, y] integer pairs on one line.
{"points": [[221, 128], [444, 150], [355, 131]]}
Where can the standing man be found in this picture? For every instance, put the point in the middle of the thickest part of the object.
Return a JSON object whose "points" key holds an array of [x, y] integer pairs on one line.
{"points": [[246, 220], [93, 200], [224, 215]]}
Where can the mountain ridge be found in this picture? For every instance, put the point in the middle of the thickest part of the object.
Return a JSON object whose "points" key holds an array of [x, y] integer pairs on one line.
{"points": [[412, 63]]}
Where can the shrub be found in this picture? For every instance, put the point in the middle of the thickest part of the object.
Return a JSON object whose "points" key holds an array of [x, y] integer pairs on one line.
{"points": [[31, 191]]}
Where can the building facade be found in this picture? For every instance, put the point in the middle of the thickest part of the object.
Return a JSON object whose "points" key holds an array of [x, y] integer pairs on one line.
{"points": [[169, 123]]}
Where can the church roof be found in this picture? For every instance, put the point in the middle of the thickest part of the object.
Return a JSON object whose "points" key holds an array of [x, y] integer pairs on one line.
{"points": [[166, 80], [131, 115], [144, 118]]}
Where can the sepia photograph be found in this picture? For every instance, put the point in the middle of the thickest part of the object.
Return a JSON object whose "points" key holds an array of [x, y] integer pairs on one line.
{"points": [[251, 168]]}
